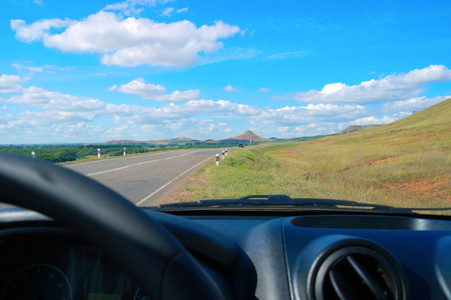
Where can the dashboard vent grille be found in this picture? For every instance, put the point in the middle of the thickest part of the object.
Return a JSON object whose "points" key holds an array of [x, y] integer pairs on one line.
{"points": [[357, 272]]}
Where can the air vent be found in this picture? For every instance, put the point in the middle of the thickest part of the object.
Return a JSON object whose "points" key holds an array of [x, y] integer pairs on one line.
{"points": [[357, 272]]}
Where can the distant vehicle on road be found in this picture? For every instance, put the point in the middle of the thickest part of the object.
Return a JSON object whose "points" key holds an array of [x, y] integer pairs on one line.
{"points": [[240, 146]]}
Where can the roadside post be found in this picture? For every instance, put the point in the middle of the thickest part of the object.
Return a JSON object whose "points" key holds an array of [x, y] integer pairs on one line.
{"points": [[222, 154], [217, 159], [124, 152], [98, 152], [33, 154], [226, 152]]}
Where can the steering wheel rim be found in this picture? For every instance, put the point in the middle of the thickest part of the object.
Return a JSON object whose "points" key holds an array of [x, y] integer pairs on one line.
{"points": [[144, 248]]}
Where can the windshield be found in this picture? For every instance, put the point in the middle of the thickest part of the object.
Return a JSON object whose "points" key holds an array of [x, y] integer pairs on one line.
{"points": [[181, 101]]}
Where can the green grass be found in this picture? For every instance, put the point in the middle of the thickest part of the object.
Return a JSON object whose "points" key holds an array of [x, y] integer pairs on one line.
{"points": [[405, 163]]}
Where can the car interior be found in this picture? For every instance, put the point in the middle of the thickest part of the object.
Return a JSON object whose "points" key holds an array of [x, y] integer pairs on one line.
{"points": [[77, 239]]}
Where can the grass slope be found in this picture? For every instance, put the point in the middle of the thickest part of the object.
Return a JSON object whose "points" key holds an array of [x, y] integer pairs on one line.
{"points": [[405, 163]]}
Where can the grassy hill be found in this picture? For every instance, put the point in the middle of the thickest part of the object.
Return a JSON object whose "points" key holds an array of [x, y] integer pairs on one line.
{"points": [[353, 128], [405, 163]]}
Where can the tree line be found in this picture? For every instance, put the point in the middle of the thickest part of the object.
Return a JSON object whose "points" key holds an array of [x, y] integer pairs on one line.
{"points": [[64, 153], [73, 152]]}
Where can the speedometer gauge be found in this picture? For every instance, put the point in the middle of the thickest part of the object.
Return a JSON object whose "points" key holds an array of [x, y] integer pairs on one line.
{"points": [[38, 281]]}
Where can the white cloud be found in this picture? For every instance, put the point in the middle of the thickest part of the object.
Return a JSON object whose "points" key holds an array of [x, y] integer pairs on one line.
{"points": [[412, 104], [390, 88], [185, 9], [38, 69], [373, 120], [38, 30], [156, 92], [10, 83], [129, 41], [133, 7], [28, 68], [230, 88], [264, 90], [297, 115], [37, 111], [43, 99], [167, 11], [283, 129]]}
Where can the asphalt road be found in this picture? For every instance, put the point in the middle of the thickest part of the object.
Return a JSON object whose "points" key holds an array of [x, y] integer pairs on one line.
{"points": [[143, 179]]}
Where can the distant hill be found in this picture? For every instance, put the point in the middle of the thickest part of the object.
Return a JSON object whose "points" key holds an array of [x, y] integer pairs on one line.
{"points": [[245, 137], [249, 135], [353, 128]]}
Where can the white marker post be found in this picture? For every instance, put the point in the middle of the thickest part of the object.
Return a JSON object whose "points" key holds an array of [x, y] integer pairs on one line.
{"points": [[226, 152], [217, 159], [98, 152], [124, 152], [33, 154], [222, 154]]}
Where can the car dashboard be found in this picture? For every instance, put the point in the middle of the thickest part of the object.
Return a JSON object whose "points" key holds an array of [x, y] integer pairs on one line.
{"points": [[328, 255]]}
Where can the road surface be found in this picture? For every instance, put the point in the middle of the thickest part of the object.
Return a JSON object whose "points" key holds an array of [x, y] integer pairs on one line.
{"points": [[143, 179]]}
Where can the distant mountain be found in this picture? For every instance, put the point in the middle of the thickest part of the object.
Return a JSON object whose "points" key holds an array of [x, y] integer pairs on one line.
{"points": [[353, 128], [245, 137], [249, 135]]}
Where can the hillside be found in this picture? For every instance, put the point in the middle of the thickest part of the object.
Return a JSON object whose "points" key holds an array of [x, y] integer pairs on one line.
{"points": [[429, 128], [406, 164]]}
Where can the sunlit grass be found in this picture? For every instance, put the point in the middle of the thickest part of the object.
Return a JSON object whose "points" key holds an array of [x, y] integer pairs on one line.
{"points": [[406, 163]]}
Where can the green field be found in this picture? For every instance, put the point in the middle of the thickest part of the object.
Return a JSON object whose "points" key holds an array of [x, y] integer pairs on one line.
{"points": [[405, 163]]}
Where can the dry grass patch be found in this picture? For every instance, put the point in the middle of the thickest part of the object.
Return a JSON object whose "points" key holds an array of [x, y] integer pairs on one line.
{"points": [[405, 163]]}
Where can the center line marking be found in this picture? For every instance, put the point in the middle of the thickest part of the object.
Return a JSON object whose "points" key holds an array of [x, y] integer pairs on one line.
{"points": [[168, 183], [138, 164]]}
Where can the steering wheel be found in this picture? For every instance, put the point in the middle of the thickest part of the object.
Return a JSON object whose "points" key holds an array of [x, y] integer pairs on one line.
{"points": [[154, 257]]}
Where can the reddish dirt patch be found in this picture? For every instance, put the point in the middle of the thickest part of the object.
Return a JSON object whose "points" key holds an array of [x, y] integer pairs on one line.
{"points": [[438, 189], [361, 165]]}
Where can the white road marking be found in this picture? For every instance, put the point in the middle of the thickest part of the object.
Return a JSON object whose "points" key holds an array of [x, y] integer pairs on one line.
{"points": [[116, 158], [138, 164], [168, 183]]}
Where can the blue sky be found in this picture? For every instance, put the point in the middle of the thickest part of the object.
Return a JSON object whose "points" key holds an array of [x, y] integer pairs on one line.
{"points": [[94, 71]]}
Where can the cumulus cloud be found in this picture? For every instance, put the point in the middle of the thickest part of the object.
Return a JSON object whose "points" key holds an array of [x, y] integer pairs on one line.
{"points": [[43, 99], [264, 90], [128, 41], [38, 30], [413, 104], [230, 88], [10, 83], [156, 92], [374, 120], [295, 115], [393, 87], [65, 116]]}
